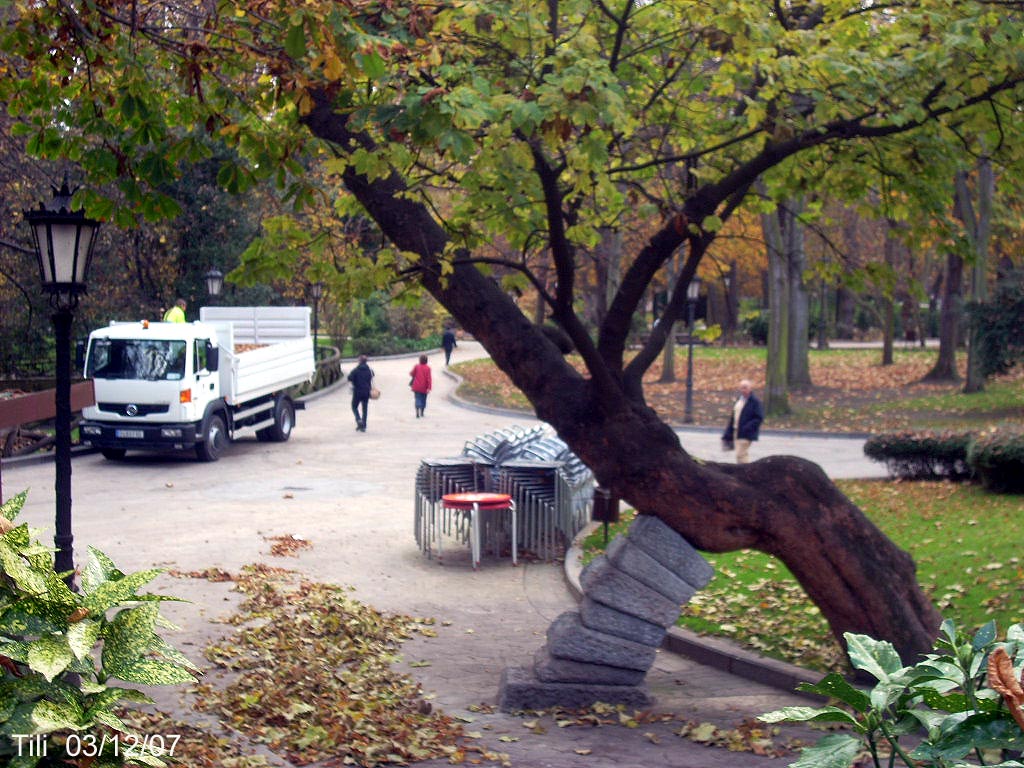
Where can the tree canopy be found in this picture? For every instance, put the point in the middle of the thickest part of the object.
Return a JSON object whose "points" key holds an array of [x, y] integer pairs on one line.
{"points": [[541, 127]]}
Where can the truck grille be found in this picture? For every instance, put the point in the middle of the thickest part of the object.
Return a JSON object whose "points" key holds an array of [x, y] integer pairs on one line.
{"points": [[136, 409]]}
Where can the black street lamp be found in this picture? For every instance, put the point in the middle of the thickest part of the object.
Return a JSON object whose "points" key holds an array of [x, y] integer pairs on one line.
{"points": [[64, 243], [214, 282], [692, 294], [316, 290]]}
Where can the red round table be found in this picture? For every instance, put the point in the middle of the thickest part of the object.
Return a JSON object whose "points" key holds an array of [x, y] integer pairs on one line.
{"points": [[476, 504]]}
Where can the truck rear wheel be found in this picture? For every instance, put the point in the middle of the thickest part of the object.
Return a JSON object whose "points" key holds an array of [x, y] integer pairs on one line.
{"points": [[215, 439], [284, 422], [113, 454]]}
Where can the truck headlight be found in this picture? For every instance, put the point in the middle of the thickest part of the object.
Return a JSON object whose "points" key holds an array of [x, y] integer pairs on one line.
{"points": [[90, 429], [170, 432]]}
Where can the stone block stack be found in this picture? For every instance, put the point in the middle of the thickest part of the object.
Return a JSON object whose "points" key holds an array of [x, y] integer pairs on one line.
{"points": [[631, 596]]}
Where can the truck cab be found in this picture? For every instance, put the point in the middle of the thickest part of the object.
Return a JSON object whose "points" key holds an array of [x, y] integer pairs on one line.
{"points": [[166, 386]]}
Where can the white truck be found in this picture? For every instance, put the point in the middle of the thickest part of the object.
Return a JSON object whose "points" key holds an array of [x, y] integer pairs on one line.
{"points": [[166, 386]]}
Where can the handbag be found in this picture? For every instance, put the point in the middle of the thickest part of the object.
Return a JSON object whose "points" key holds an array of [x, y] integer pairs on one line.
{"points": [[374, 393]]}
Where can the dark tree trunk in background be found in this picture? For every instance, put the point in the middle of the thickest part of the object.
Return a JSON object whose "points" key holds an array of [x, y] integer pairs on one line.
{"points": [[798, 370], [951, 311], [845, 307]]}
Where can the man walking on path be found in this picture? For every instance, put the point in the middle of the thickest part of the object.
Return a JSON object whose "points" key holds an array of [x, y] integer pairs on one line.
{"points": [[745, 422], [448, 342], [361, 379]]}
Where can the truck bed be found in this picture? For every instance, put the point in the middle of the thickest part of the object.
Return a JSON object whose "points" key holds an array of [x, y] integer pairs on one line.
{"points": [[278, 350]]}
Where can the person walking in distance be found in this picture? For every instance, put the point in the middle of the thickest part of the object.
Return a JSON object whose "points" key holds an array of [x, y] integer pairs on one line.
{"points": [[448, 342], [420, 384], [744, 422], [361, 379]]}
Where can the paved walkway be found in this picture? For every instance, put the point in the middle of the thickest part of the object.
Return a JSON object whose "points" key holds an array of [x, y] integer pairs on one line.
{"points": [[350, 494]]}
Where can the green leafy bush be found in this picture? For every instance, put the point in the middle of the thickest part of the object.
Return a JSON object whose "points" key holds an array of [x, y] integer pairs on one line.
{"points": [[922, 455], [383, 344], [941, 705], [997, 457], [60, 651]]}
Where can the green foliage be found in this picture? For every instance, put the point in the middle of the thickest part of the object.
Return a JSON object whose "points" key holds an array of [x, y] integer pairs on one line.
{"points": [[60, 651], [997, 457], [755, 326], [999, 325], [940, 704], [922, 455], [383, 344]]}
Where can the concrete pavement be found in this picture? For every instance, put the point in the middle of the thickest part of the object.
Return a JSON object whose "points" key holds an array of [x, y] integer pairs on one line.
{"points": [[350, 494]]}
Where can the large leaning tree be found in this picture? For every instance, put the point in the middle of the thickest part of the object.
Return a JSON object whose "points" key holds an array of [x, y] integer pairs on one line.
{"points": [[548, 128]]}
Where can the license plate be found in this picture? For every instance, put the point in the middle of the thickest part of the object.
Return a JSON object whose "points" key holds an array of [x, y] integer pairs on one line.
{"points": [[136, 434]]}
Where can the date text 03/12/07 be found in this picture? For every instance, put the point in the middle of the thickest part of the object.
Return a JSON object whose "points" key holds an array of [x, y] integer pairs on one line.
{"points": [[90, 745]]}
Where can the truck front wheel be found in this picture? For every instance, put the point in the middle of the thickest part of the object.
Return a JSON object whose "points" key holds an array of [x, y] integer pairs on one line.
{"points": [[215, 439], [284, 422]]}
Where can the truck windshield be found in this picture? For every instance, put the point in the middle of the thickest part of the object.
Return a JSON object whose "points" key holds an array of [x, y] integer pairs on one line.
{"points": [[149, 359]]}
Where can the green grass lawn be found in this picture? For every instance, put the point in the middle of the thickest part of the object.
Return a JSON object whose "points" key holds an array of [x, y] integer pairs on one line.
{"points": [[851, 392], [965, 542]]}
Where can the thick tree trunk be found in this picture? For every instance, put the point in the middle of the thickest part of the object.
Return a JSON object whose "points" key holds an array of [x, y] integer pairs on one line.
{"points": [[668, 357], [845, 306], [978, 226], [776, 393], [888, 302], [859, 579], [607, 260], [798, 304], [949, 322]]}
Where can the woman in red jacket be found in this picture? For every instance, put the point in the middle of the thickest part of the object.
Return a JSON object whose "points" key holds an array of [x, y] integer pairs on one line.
{"points": [[420, 384]]}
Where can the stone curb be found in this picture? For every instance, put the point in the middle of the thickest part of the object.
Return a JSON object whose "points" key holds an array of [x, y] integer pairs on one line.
{"points": [[709, 651]]}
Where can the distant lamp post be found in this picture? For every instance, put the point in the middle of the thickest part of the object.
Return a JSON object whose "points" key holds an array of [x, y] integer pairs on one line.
{"points": [[692, 294], [316, 290], [214, 282], [64, 243]]}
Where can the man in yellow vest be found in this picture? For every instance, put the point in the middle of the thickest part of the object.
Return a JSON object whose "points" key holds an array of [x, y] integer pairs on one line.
{"points": [[176, 314]]}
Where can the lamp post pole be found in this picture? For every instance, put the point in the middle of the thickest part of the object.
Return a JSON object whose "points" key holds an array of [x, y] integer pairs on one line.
{"points": [[692, 293], [63, 538], [64, 243]]}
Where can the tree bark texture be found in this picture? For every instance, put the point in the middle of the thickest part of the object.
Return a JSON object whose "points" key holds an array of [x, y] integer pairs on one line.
{"points": [[977, 225], [776, 395], [950, 315], [798, 302], [781, 505]]}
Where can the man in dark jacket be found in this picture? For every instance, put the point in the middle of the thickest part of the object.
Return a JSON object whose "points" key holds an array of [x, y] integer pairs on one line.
{"points": [[744, 422], [361, 380], [448, 342]]}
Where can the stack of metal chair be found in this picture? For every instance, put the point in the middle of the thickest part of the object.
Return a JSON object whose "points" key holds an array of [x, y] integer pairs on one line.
{"points": [[551, 486], [435, 478]]}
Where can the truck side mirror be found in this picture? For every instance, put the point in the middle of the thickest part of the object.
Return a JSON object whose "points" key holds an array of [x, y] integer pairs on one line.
{"points": [[212, 357]]}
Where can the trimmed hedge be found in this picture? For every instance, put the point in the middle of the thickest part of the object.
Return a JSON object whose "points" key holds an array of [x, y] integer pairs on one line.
{"points": [[922, 455], [994, 456], [997, 458], [382, 344]]}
